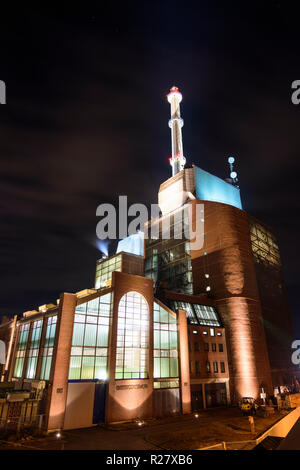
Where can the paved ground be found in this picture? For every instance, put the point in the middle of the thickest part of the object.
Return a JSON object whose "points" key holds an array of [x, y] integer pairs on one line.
{"points": [[185, 432]]}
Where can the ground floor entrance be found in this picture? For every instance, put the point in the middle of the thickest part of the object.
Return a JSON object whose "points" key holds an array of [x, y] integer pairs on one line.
{"points": [[166, 402], [215, 394], [208, 395], [85, 405]]}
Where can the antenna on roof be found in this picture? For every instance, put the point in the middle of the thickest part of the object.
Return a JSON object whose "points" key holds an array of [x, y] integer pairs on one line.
{"points": [[233, 174]]}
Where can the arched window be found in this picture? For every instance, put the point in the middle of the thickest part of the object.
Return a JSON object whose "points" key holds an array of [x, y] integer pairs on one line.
{"points": [[132, 337]]}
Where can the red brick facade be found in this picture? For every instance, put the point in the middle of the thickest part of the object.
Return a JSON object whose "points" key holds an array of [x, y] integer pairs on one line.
{"points": [[227, 258]]}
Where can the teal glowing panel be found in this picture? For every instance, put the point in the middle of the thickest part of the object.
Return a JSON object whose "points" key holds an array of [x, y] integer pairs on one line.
{"points": [[212, 188], [133, 244]]}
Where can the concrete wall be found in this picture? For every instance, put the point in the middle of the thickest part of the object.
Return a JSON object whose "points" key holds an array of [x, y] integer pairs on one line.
{"points": [[283, 427], [80, 405]]}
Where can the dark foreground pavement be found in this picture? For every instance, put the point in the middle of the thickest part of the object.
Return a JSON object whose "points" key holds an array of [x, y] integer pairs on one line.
{"points": [[184, 432]]}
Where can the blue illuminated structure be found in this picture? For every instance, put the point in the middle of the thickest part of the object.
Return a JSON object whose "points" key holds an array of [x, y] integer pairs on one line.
{"points": [[212, 188], [133, 244]]}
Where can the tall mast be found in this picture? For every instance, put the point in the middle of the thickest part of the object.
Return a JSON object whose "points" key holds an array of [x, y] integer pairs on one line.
{"points": [[177, 161]]}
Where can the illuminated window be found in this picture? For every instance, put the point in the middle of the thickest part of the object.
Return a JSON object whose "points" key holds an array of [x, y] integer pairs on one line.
{"points": [[90, 339], [165, 343], [48, 348], [264, 245], [132, 337], [212, 332], [166, 384], [169, 259], [196, 313], [104, 270], [178, 304], [34, 349], [21, 349], [215, 364]]}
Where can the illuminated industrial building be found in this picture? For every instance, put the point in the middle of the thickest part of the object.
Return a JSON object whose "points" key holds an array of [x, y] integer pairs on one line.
{"points": [[169, 327]]}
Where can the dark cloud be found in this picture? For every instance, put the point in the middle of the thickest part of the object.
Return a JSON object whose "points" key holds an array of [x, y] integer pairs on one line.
{"points": [[86, 120]]}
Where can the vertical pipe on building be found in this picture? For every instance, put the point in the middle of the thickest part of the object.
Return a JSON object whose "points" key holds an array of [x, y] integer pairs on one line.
{"points": [[185, 386]]}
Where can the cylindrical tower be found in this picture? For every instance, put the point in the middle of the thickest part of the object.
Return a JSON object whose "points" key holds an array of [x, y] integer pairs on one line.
{"points": [[225, 263], [177, 161]]}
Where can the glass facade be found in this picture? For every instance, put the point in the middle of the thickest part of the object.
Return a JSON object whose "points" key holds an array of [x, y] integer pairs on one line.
{"points": [[166, 384], [264, 245], [48, 348], [21, 350], [34, 349], [165, 345], [132, 337], [168, 255], [197, 314], [104, 270], [90, 339]]}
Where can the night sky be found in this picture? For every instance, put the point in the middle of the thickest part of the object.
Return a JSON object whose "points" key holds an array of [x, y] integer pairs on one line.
{"points": [[86, 120]]}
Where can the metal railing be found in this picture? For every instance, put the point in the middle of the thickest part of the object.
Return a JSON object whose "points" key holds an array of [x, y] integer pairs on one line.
{"points": [[18, 423], [234, 445]]}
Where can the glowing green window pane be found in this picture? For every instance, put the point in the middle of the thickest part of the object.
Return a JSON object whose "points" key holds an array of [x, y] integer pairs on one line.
{"points": [[78, 332], [173, 367], [18, 367], [173, 339], [87, 367], [102, 336], [75, 367], [165, 367], [164, 337], [100, 368], [90, 335], [156, 339], [156, 372]]}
